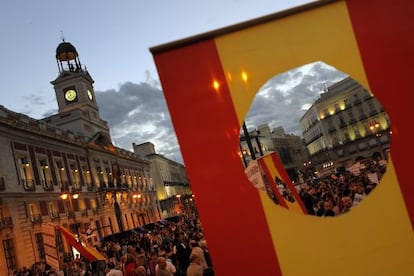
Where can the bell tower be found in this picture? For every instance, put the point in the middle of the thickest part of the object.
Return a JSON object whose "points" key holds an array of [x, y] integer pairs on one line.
{"points": [[78, 110]]}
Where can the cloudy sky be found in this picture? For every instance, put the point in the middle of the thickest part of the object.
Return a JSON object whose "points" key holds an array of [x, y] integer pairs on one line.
{"points": [[284, 99], [113, 41]]}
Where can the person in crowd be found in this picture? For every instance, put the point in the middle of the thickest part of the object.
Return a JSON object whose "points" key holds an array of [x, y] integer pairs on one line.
{"points": [[142, 260], [346, 204], [161, 269], [195, 267], [182, 251], [328, 209], [141, 271], [203, 245], [130, 260], [168, 266], [152, 262], [197, 250], [112, 271]]}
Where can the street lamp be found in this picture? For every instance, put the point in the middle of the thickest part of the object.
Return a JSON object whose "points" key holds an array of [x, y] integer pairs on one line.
{"points": [[66, 195], [179, 206], [136, 196], [374, 126]]}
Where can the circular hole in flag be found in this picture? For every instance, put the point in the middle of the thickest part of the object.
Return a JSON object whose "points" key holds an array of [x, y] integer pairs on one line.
{"points": [[315, 140]]}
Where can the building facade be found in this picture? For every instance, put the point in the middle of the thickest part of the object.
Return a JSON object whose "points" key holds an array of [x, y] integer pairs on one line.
{"points": [[289, 148], [171, 181], [345, 124], [64, 170]]}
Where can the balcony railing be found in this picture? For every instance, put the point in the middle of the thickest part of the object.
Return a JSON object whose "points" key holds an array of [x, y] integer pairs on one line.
{"points": [[54, 215], [84, 212], [28, 184], [36, 218], [47, 185]]}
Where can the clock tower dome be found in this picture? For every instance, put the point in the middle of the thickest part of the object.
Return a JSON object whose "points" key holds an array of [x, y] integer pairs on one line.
{"points": [[78, 109]]}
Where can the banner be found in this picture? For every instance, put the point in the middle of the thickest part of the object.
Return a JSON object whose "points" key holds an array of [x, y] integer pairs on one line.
{"points": [[216, 76], [89, 253]]}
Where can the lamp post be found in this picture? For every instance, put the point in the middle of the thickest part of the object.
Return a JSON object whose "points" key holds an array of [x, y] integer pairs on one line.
{"points": [[70, 196], [180, 206], [248, 141], [308, 170], [374, 126]]}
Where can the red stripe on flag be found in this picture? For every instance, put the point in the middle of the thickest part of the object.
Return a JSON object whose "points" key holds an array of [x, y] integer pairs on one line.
{"points": [[384, 33], [285, 177], [207, 129], [272, 184]]}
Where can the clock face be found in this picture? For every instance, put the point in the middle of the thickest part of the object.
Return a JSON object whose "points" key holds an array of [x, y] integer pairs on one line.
{"points": [[70, 95], [90, 96]]}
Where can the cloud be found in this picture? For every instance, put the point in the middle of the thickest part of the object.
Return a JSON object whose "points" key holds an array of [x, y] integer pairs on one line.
{"points": [[137, 113], [281, 100]]}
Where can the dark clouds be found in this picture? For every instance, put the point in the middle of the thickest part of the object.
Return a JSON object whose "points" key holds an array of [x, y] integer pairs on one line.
{"points": [[284, 99], [137, 113]]}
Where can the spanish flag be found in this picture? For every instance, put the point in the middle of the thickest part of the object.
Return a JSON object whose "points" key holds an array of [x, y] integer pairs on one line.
{"points": [[88, 252], [276, 177], [209, 82]]}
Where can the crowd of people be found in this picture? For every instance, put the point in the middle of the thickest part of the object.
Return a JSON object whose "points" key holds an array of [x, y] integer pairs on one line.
{"points": [[338, 193], [179, 248], [169, 249]]}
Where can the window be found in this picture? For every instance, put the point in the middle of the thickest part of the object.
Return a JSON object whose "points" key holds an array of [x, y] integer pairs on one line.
{"points": [[40, 245], [61, 174], [74, 172], [351, 116], [356, 131], [357, 100], [347, 103], [134, 178], [371, 107], [123, 176], [108, 176], [100, 177], [44, 174], [53, 212], [342, 122], [26, 173], [87, 175], [10, 254], [34, 212]]}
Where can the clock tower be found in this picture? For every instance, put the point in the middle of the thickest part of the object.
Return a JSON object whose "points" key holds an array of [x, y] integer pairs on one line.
{"points": [[78, 110]]}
